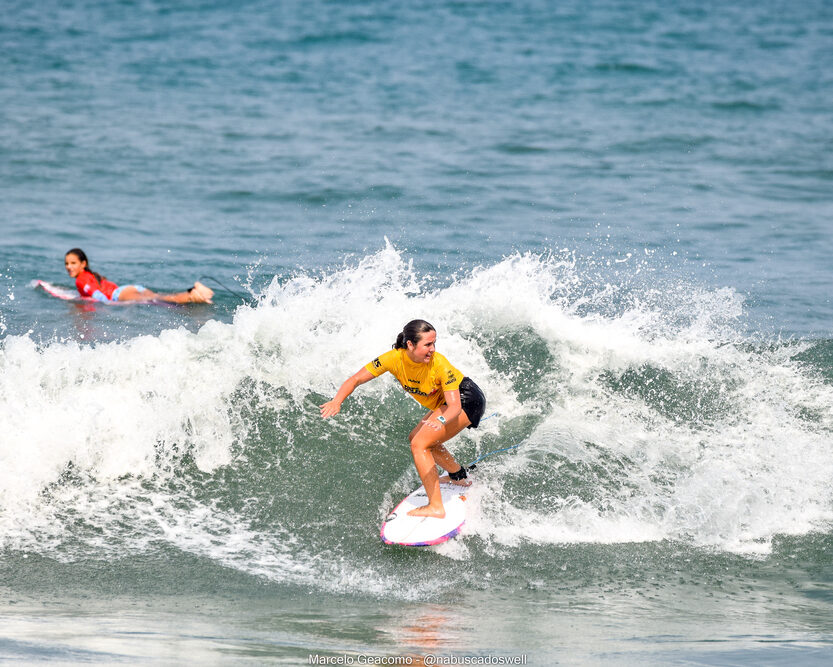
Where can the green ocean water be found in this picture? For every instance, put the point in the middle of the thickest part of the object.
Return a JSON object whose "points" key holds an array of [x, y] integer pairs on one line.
{"points": [[617, 216]]}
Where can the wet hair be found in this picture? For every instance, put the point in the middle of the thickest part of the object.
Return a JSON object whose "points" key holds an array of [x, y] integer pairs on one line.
{"points": [[412, 332], [82, 256]]}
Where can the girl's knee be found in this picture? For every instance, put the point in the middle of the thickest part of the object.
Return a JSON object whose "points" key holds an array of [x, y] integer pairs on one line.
{"points": [[420, 442]]}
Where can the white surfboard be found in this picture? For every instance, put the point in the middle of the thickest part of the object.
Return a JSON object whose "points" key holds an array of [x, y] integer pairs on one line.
{"points": [[57, 291], [417, 531], [67, 294]]}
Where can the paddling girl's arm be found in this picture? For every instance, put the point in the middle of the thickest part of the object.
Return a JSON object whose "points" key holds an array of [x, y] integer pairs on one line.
{"points": [[98, 295], [333, 407]]}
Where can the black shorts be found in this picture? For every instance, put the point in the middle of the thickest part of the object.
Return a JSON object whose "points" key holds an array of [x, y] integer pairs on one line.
{"points": [[473, 401]]}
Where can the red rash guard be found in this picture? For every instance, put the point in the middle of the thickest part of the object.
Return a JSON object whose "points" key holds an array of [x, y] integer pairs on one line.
{"points": [[88, 285]]}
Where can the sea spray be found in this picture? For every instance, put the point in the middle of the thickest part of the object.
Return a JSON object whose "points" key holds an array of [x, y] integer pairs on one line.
{"points": [[641, 415]]}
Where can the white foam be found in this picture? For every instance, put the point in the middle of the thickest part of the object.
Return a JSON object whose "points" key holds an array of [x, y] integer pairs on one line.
{"points": [[116, 414], [754, 468]]}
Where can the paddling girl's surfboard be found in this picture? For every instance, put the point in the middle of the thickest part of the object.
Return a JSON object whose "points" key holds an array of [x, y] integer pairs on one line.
{"points": [[414, 531], [58, 292], [67, 294]]}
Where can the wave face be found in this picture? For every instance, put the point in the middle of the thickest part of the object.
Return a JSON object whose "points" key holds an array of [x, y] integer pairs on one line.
{"points": [[643, 414]]}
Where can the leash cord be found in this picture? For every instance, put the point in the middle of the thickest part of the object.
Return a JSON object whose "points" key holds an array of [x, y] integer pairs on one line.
{"points": [[474, 463], [497, 451], [227, 289]]}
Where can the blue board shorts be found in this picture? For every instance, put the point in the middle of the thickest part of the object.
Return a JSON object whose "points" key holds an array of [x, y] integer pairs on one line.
{"points": [[117, 291]]}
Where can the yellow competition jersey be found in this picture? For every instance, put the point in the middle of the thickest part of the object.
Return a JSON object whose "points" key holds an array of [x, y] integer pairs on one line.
{"points": [[424, 382]]}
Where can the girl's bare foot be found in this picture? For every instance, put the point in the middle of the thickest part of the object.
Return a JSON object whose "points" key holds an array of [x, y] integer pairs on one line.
{"points": [[445, 479], [200, 293], [427, 510]]}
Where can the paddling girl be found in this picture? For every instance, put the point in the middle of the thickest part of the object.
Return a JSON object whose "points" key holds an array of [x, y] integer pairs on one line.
{"points": [[454, 402], [95, 286]]}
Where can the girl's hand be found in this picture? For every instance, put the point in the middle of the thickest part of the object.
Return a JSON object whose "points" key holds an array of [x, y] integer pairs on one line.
{"points": [[430, 423], [330, 408], [333, 407]]}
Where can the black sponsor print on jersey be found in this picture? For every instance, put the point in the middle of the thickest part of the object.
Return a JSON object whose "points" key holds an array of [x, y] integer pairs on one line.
{"points": [[376, 363], [418, 392]]}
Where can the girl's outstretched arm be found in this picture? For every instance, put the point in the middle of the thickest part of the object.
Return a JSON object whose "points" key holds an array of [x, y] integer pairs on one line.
{"points": [[333, 407]]}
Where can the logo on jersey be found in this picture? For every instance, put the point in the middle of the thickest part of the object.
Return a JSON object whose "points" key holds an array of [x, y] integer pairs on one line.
{"points": [[376, 363], [417, 391]]}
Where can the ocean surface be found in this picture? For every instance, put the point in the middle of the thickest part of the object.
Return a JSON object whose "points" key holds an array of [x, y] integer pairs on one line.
{"points": [[617, 214]]}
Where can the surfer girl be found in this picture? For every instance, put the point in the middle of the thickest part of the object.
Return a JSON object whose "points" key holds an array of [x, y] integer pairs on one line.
{"points": [[454, 402], [95, 286]]}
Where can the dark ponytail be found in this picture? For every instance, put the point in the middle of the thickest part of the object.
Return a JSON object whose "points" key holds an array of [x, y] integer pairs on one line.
{"points": [[412, 332], [82, 257]]}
